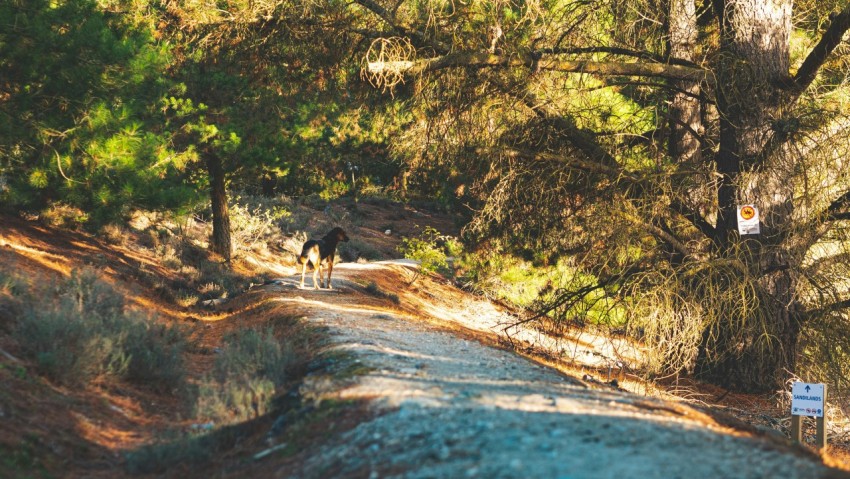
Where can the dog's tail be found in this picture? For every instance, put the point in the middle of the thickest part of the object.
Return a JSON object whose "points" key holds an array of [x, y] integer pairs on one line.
{"points": [[302, 259]]}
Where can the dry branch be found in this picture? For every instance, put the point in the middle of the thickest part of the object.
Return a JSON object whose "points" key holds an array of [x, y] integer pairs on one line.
{"points": [[486, 59]]}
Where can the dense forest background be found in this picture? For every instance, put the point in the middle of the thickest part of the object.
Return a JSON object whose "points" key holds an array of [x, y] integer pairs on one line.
{"points": [[600, 149]]}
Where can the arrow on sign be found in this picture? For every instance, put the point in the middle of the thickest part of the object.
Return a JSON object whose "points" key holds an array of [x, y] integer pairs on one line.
{"points": [[808, 388]]}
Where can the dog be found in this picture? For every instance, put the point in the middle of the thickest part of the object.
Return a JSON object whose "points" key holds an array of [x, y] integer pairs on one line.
{"points": [[319, 252]]}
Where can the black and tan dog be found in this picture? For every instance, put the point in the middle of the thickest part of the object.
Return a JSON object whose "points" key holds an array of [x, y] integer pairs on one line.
{"points": [[319, 252]]}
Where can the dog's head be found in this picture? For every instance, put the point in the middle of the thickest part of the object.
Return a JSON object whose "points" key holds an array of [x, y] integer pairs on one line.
{"points": [[338, 234]]}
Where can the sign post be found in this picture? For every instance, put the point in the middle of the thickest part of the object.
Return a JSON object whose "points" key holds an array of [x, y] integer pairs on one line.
{"points": [[808, 399]]}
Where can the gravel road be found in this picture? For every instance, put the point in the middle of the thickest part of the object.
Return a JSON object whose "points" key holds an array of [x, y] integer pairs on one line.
{"points": [[449, 407]]}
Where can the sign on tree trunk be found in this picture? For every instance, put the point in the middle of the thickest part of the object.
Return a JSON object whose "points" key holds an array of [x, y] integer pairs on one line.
{"points": [[748, 220]]}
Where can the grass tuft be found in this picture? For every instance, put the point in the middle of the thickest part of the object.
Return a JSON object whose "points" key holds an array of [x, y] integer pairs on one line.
{"points": [[373, 289], [246, 376]]}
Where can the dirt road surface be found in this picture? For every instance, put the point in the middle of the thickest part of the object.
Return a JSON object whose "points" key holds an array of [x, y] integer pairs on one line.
{"points": [[447, 406]]}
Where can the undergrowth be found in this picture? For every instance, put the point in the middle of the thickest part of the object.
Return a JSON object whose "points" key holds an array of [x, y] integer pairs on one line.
{"points": [[79, 332], [432, 250], [246, 381], [249, 370]]}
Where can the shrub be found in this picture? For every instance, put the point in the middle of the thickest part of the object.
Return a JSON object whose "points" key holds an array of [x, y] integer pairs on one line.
{"points": [[11, 283], [64, 216], [77, 338], [452, 246], [254, 220], [84, 334], [426, 250], [72, 349], [356, 249], [156, 355], [246, 375], [234, 401], [159, 457], [114, 234], [251, 353]]}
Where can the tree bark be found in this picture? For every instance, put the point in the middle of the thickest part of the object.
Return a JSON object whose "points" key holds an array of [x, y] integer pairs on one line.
{"points": [[685, 116], [220, 242]]}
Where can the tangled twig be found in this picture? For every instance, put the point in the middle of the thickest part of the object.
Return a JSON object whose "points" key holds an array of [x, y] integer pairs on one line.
{"points": [[382, 65]]}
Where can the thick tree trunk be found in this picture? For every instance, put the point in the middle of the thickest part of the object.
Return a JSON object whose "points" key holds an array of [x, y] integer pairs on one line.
{"points": [[220, 242], [756, 353]]}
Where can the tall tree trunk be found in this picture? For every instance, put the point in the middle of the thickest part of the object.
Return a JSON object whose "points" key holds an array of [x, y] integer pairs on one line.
{"points": [[220, 242], [754, 353], [684, 113]]}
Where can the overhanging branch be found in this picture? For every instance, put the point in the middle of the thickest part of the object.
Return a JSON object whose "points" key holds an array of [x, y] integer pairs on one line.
{"points": [[620, 52], [470, 59], [830, 308]]}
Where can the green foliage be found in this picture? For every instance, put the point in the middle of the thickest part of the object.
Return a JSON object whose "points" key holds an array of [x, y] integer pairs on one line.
{"points": [[425, 249], [251, 366], [107, 111], [85, 334], [82, 116]]}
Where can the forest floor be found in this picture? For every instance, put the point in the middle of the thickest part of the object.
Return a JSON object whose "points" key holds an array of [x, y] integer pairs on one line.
{"points": [[402, 375]]}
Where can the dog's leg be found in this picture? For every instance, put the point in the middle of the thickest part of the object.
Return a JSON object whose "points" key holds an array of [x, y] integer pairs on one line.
{"points": [[317, 272], [330, 270], [303, 271]]}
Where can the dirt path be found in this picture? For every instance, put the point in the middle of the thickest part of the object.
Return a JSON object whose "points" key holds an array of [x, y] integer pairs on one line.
{"points": [[450, 407]]}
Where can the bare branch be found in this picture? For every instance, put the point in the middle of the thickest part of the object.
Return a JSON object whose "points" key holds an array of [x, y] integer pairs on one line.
{"points": [[649, 56], [659, 233], [829, 308], [486, 59]]}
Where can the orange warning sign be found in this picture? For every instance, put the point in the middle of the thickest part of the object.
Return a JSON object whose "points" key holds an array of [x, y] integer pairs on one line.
{"points": [[748, 220]]}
